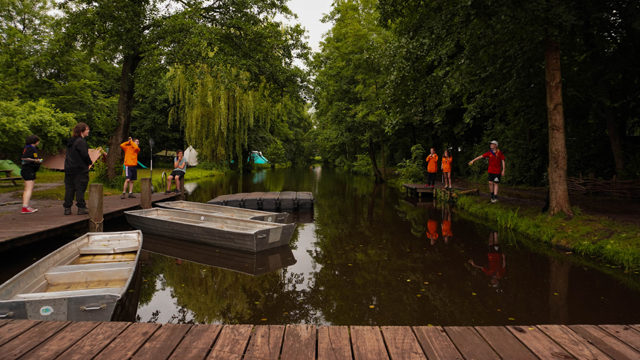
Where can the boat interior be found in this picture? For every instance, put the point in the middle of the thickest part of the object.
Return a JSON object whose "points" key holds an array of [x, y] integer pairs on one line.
{"points": [[210, 220], [217, 209], [87, 266]]}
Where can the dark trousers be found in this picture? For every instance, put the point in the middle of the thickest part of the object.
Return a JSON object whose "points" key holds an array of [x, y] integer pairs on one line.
{"points": [[75, 185], [431, 178]]}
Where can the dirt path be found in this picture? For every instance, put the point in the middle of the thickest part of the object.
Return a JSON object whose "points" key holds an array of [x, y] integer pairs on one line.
{"points": [[16, 196], [625, 210]]}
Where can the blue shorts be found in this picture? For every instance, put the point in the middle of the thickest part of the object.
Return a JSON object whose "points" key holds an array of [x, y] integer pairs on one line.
{"points": [[131, 172]]}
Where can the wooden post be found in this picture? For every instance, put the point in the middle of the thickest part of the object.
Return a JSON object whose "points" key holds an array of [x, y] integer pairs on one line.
{"points": [[95, 208], [145, 193]]}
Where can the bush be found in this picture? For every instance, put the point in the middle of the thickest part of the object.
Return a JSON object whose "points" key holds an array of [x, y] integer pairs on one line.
{"points": [[412, 171], [362, 165]]}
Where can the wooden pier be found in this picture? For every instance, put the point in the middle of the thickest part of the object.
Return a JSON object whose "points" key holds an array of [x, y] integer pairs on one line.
{"points": [[418, 190], [19, 229], [44, 340]]}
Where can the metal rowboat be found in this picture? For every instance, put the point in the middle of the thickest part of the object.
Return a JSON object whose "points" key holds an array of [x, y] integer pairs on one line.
{"points": [[81, 281], [222, 231]]}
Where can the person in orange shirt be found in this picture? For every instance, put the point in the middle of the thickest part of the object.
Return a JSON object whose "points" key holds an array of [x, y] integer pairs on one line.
{"points": [[446, 168], [432, 168], [131, 149], [432, 231], [446, 226]]}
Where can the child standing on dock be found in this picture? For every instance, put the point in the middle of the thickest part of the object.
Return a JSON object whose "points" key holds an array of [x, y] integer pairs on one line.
{"points": [[496, 168], [30, 165], [180, 164], [446, 168], [432, 168], [131, 149]]}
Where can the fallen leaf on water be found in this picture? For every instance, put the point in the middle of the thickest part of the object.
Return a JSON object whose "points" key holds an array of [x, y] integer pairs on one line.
{"points": [[474, 294], [499, 310], [263, 319], [349, 264], [555, 294], [408, 279], [426, 283], [439, 273], [422, 290], [204, 269], [257, 302], [371, 306], [286, 313], [511, 319]]}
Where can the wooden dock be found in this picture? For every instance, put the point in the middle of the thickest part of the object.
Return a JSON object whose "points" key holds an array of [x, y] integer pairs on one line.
{"points": [[18, 229], [418, 190], [44, 340]]}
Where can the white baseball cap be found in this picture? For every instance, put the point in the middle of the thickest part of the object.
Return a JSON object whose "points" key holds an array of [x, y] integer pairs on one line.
{"points": [[494, 142]]}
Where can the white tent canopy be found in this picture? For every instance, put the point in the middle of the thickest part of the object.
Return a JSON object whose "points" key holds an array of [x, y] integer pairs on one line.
{"points": [[192, 156]]}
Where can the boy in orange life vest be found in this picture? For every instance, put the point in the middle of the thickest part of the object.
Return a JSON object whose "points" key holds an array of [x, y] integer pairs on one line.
{"points": [[432, 168], [446, 168], [496, 168], [432, 231], [131, 151]]}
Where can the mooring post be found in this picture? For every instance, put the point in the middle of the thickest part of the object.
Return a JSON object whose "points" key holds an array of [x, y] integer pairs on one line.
{"points": [[95, 208], [145, 193]]}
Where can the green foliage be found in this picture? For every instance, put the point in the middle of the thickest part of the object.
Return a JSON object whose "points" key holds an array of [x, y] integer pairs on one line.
{"points": [[17, 121], [411, 171], [362, 166], [276, 153]]}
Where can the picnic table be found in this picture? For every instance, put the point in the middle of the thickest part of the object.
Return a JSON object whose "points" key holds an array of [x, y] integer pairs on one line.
{"points": [[8, 176]]}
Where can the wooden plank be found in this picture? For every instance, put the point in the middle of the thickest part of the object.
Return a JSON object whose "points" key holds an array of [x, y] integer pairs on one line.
{"points": [[611, 346], [30, 339], [4, 322], [539, 343], [624, 333], [334, 343], [128, 342], [367, 343], [15, 328], [266, 342], [61, 341], [162, 343], [572, 342], [232, 342], [299, 342], [94, 342], [470, 344], [197, 343], [402, 343], [435, 343], [504, 343]]}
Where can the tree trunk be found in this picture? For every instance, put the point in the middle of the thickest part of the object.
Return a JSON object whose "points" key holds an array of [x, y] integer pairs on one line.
{"points": [[384, 163], [558, 191], [615, 140], [374, 165], [125, 107]]}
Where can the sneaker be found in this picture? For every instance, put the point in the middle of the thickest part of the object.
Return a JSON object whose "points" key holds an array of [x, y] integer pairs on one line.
{"points": [[177, 191], [167, 192], [83, 211], [28, 210], [131, 195], [67, 211], [123, 196]]}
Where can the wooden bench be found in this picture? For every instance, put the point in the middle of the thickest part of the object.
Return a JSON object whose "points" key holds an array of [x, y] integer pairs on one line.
{"points": [[8, 176]]}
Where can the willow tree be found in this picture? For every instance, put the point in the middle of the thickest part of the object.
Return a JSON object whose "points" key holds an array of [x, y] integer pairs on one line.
{"points": [[218, 110]]}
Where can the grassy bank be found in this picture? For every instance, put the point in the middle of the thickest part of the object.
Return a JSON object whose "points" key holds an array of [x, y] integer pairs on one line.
{"points": [[112, 188], [614, 242]]}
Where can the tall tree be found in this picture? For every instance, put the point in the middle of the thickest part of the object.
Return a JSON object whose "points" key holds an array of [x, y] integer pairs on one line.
{"points": [[144, 32]]}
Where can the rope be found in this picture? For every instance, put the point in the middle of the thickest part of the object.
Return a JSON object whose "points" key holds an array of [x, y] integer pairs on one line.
{"points": [[97, 224]]}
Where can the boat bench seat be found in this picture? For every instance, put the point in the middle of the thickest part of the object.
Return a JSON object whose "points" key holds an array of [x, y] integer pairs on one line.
{"points": [[106, 258], [110, 247], [89, 273]]}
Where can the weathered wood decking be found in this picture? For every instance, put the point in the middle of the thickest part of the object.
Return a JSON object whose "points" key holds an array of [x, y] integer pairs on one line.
{"points": [[26, 339], [18, 229]]}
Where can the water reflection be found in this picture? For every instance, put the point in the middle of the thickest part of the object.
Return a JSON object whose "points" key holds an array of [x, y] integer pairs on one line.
{"points": [[367, 257]]}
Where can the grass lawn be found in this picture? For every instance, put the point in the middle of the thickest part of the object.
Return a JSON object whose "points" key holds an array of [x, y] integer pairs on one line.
{"points": [[57, 193]]}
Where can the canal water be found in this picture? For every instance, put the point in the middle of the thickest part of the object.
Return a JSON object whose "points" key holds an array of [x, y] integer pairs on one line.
{"points": [[369, 255]]}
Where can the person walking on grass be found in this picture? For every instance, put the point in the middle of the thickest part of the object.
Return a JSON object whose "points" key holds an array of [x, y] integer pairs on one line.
{"points": [[432, 168], [446, 168], [30, 165], [76, 170], [131, 149], [496, 168], [180, 165]]}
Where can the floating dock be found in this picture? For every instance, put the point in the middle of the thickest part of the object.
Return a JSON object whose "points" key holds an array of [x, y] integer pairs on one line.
{"points": [[45, 340], [418, 190], [268, 201]]}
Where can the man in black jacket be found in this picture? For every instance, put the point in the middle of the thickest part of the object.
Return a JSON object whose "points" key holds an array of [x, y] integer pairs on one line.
{"points": [[76, 170]]}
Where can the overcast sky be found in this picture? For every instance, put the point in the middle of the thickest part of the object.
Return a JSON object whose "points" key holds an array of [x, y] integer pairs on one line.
{"points": [[309, 14]]}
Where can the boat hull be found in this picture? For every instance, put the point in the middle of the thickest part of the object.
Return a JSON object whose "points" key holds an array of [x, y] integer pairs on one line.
{"points": [[211, 229]]}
